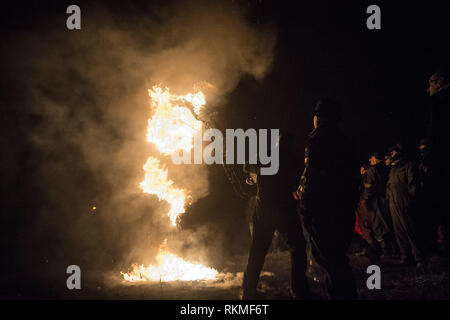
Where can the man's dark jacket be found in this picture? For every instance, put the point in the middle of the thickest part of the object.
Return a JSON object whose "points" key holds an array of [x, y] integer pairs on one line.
{"points": [[328, 195], [374, 196], [328, 189], [402, 187], [439, 129]]}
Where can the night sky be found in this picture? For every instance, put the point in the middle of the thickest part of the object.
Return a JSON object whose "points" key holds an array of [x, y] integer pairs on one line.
{"points": [[322, 49]]}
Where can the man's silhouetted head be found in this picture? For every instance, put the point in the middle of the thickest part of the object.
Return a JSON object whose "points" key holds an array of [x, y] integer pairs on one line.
{"points": [[326, 111], [438, 80]]}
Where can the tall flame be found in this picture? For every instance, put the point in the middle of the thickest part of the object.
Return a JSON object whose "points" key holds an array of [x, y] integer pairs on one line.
{"points": [[171, 128], [156, 183]]}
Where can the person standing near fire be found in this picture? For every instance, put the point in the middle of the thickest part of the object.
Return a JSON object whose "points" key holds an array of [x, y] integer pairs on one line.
{"points": [[401, 194], [374, 197], [327, 199], [272, 208], [439, 138]]}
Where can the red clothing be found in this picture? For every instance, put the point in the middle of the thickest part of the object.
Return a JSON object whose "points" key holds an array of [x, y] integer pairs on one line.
{"points": [[363, 224], [357, 228]]}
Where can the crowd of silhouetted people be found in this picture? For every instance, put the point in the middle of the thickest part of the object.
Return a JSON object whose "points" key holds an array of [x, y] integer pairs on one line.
{"points": [[398, 205]]}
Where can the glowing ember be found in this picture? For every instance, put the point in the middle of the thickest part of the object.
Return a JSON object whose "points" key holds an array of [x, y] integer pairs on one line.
{"points": [[170, 268]]}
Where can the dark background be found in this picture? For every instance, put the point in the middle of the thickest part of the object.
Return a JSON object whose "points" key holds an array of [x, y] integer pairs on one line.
{"points": [[323, 49]]}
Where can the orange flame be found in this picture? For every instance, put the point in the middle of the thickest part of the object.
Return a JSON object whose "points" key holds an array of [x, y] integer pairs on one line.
{"points": [[156, 183], [170, 268], [173, 124], [171, 128]]}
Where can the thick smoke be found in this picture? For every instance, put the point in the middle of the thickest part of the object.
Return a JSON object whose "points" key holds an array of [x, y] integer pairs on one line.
{"points": [[210, 42], [89, 94]]}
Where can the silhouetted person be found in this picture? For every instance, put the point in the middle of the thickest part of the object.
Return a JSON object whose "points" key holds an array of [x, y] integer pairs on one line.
{"points": [[374, 196], [439, 137], [274, 209], [328, 195], [430, 218], [424, 164], [401, 194]]}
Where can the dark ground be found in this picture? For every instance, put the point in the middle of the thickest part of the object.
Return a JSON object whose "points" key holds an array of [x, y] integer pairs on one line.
{"points": [[397, 283]]}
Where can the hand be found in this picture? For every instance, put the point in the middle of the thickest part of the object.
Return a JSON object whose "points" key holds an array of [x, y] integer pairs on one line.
{"points": [[252, 179]]}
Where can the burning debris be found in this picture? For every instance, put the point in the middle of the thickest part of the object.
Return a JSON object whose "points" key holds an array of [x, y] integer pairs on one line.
{"points": [[170, 268]]}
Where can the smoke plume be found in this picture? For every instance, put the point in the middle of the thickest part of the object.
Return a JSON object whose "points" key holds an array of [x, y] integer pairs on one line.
{"points": [[89, 94]]}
